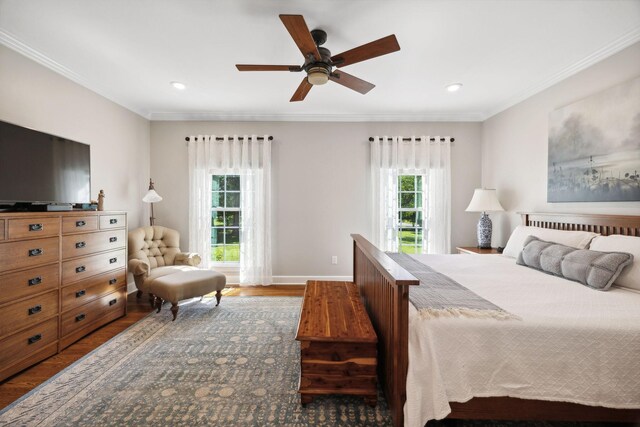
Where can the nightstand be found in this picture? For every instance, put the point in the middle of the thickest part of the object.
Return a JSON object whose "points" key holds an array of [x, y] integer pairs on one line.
{"points": [[476, 251]]}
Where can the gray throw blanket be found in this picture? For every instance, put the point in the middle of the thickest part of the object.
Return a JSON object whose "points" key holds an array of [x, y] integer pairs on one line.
{"points": [[440, 296]]}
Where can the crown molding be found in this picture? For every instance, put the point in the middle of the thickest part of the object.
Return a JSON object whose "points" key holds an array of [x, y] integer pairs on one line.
{"points": [[10, 41], [260, 117], [626, 40]]}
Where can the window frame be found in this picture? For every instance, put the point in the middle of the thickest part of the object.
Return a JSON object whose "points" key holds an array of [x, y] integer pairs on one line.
{"points": [[224, 227], [422, 230]]}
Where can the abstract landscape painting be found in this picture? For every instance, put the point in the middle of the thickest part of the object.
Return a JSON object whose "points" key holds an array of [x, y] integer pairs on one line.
{"points": [[594, 148]]}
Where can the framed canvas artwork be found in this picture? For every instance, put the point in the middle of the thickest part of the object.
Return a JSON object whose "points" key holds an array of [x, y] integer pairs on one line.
{"points": [[594, 148]]}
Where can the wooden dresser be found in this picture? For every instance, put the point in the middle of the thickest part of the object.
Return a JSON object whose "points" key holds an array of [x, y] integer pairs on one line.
{"points": [[338, 345], [62, 275]]}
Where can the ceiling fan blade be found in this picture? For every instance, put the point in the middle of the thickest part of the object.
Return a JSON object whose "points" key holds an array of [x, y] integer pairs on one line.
{"points": [[354, 83], [376, 48], [302, 91], [299, 31], [252, 67]]}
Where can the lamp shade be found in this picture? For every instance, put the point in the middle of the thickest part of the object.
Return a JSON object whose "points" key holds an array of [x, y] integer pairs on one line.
{"points": [[484, 200], [151, 197]]}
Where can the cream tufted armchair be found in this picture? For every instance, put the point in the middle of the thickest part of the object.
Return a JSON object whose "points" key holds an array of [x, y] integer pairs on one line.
{"points": [[162, 270]]}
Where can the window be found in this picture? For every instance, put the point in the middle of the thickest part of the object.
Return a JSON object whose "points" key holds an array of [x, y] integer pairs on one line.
{"points": [[410, 214], [225, 218]]}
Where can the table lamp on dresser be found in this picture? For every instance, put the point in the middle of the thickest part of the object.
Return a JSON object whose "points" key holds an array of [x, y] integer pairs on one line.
{"points": [[484, 200]]}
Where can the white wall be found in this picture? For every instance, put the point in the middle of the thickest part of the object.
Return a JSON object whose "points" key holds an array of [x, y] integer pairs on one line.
{"points": [[35, 97], [514, 145], [320, 184]]}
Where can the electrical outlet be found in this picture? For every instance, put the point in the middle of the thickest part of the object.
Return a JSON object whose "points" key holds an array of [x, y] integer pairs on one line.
{"points": [[334, 259]]}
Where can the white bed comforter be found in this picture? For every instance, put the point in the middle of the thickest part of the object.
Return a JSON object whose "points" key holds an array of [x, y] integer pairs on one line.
{"points": [[573, 344]]}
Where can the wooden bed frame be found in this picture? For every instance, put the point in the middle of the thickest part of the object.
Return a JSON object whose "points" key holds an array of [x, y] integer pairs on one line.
{"points": [[384, 289]]}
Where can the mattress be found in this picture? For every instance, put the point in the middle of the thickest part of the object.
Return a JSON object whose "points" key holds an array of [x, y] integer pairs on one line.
{"points": [[570, 343]]}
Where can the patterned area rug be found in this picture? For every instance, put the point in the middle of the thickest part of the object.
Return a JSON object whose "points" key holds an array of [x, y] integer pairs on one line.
{"points": [[232, 365]]}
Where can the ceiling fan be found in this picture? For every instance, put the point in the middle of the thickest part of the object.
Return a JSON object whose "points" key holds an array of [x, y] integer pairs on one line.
{"points": [[318, 62]]}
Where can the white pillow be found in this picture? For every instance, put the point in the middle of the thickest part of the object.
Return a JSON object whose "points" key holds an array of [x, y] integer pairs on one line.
{"points": [[630, 276], [575, 239]]}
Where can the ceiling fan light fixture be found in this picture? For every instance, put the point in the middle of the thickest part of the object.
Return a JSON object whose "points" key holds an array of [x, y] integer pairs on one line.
{"points": [[454, 87], [317, 76]]}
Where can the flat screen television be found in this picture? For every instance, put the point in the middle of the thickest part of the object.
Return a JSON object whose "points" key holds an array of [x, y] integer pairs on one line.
{"points": [[38, 168]]}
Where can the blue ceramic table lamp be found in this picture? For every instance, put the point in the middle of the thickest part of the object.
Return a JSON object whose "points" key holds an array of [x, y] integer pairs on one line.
{"points": [[484, 200]]}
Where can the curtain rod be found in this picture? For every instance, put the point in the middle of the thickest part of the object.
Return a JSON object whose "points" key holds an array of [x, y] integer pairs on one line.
{"points": [[220, 138], [430, 139]]}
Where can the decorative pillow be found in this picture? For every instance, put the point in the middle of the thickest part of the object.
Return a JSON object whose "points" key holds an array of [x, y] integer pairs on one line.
{"points": [[575, 239], [630, 277], [595, 269]]}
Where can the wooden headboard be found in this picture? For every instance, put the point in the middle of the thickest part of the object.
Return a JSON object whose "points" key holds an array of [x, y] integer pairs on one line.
{"points": [[601, 224]]}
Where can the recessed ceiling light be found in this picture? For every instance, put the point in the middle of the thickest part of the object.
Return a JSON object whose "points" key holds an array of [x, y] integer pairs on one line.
{"points": [[454, 87], [178, 85]]}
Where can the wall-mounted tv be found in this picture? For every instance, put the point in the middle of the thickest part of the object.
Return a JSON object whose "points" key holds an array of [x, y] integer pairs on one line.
{"points": [[38, 168]]}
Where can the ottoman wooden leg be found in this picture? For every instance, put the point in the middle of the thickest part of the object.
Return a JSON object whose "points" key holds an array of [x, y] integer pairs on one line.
{"points": [[218, 297], [152, 300], [174, 310], [158, 304], [139, 294]]}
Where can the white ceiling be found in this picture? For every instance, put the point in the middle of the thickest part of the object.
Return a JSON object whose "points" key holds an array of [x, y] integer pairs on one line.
{"points": [[502, 51]]}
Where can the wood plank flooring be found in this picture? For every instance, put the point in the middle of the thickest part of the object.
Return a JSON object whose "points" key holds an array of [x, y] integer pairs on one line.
{"points": [[18, 385]]}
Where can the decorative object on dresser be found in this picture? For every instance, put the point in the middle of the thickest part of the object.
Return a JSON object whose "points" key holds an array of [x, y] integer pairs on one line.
{"points": [[474, 250], [337, 343], [62, 275], [484, 200], [101, 200], [151, 197], [167, 274]]}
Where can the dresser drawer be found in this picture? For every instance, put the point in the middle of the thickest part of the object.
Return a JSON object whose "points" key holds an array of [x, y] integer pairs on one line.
{"points": [[76, 224], [28, 282], [112, 221], [23, 344], [29, 253], [28, 312], [1, 229], [87, 290], [83, 244], [33, 227], [84, 315], [81, 268]]}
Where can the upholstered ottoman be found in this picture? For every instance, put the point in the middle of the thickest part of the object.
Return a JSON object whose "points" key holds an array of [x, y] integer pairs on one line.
{"points": [[190, 282]]}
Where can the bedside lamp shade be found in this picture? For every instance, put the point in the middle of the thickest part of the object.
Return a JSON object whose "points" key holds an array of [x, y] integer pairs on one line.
{"points": [[151, 197], [484, 200]]}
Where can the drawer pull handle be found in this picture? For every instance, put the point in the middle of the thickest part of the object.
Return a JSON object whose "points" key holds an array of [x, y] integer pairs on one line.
{"points": [[80, 245], [113, 221], [113, 301], [36, 252], [113, 260], [35, 309], [34, 338], [35, 227], [80, 269], [113, 239], [35, 281], [80, 223], [80, 293], [113, 281], [80, 317]]}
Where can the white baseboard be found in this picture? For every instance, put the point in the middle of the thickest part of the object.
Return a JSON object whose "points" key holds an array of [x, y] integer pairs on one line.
{"points": [[294, 280]]}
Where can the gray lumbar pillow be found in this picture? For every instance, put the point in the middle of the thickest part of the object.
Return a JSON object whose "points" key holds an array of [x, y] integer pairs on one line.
{"points": [[595, 269]]}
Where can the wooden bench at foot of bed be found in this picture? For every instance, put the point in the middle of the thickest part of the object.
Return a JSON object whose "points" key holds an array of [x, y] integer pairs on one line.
{"points": [[337, 343]]}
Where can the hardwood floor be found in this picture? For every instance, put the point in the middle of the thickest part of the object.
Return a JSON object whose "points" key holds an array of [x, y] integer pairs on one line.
{"points": [[18, 385]]}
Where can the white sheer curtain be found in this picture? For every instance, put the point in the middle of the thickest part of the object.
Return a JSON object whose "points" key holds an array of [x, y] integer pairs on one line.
{"points": [[249, 158], [391, 157]]}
